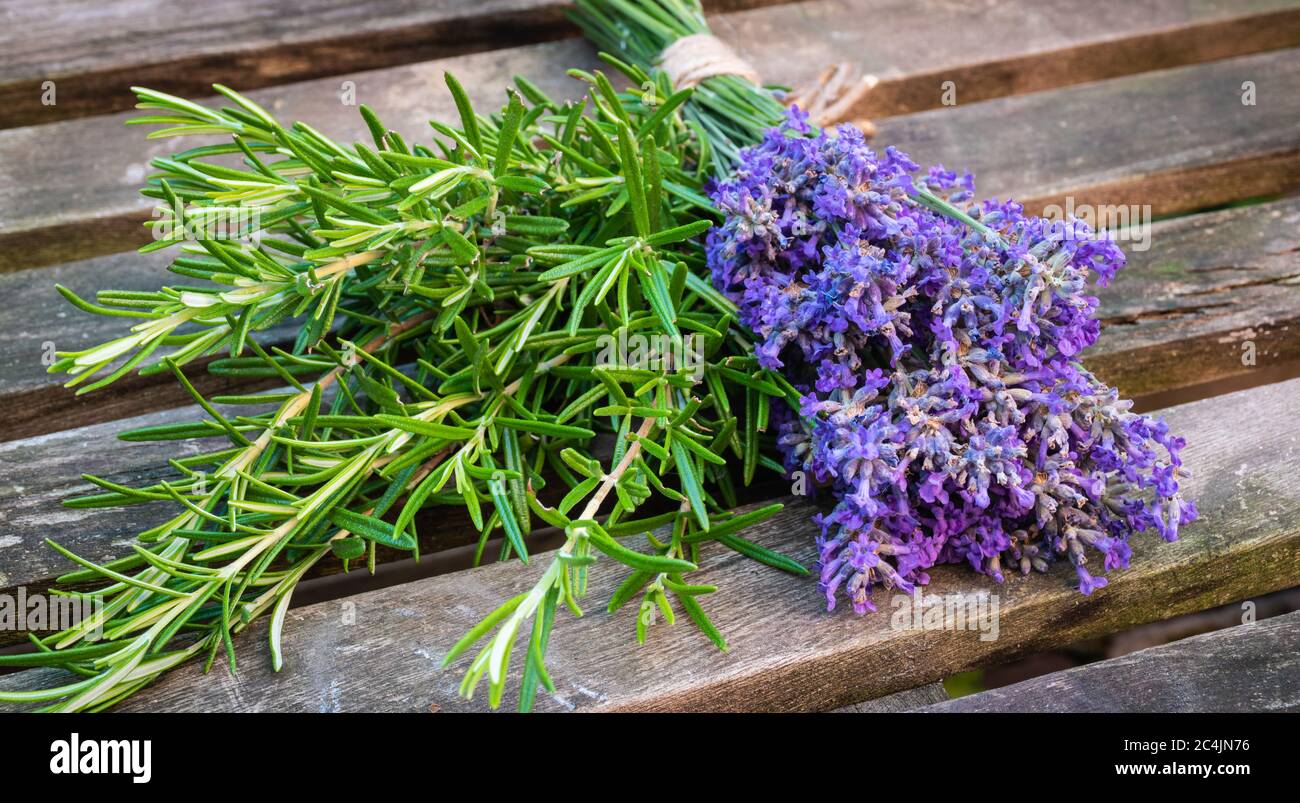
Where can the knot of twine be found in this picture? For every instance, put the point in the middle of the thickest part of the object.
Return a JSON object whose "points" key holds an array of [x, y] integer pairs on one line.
{"points": [[693, 58], [828, 99]]}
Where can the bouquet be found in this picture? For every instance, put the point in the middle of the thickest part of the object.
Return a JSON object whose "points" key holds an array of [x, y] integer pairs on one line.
{"points": [[936, 340], [463, 310]]}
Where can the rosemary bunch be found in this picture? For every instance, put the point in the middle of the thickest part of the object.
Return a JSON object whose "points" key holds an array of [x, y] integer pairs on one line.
{"points": [[457, 306], [728, 112]]}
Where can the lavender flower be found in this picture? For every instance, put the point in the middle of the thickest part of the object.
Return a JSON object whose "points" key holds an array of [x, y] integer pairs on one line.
{"points": [[942, 398]]}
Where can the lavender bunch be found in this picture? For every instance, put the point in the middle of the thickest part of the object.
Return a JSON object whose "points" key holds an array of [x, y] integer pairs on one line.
{"points": [[937, 354]]}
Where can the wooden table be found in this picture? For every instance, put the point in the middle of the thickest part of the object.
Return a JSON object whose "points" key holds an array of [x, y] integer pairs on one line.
{"points": [[1099, 103]]}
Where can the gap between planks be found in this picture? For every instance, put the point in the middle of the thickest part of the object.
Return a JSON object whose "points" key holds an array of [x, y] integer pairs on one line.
{"points": [[1248, 668], [786, 653], [52, 211]]}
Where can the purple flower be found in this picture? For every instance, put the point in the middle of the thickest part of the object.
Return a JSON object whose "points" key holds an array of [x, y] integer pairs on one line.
{"points": [[1088, 583], [943, 403]]}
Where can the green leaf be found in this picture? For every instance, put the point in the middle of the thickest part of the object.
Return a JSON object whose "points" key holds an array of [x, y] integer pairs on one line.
{"points": [[628, 588], [632, 178], [497, 490], [536, 225], [654, 285], [277, 626], [371, 528], [529, 184], [348, 548], [733, 524], [468, 120], [479, 630], [631, 557], [763, 555], [546, 428], [506, 137], [678, 234], [690, 482], [585, 262], [465, 252], [418, 426], [701, 620]]}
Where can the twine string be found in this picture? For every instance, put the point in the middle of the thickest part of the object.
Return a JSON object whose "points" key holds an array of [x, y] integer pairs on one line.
{"points": [[830, 98], [691, 59]]}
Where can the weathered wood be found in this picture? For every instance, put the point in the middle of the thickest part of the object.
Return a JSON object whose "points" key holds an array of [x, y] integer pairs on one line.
{"points": [[1158, 336], [899, 701], [1064, 43], [1242, 669], [1216, 296], [35, 321], [95, 52], [786, 653], [184, 48], [1166, 142], [57, 205], [37, 474], [1178, 315]]}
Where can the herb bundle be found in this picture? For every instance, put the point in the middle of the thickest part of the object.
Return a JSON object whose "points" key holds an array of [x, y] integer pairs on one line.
{"points": [[934, 342], [455, 307], [943, 399]]}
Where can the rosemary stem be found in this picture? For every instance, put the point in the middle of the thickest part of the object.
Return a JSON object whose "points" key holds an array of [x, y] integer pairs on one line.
{"points": [[348, 263], [612, 478], [294, 406]]}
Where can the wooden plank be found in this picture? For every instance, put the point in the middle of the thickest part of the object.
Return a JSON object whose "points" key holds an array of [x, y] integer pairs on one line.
{"points": [[36, 321], [1176, 316], [1216, 296], [899, 701], [36, 474], [68, 190], [1158, 335], [786, 653], [94, 52], [1061, 43], [1165, 142], [1249, 668]]}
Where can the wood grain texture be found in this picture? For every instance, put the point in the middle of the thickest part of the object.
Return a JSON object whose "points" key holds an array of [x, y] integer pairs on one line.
{"points": [[35, 321], [1176, 316], [1216, 296], [1158, 335], [96, 50], [1169, 141], [53, 210], [1243, 669], [786, 653], [37, 474], [1115, 38], [899, 701]]}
